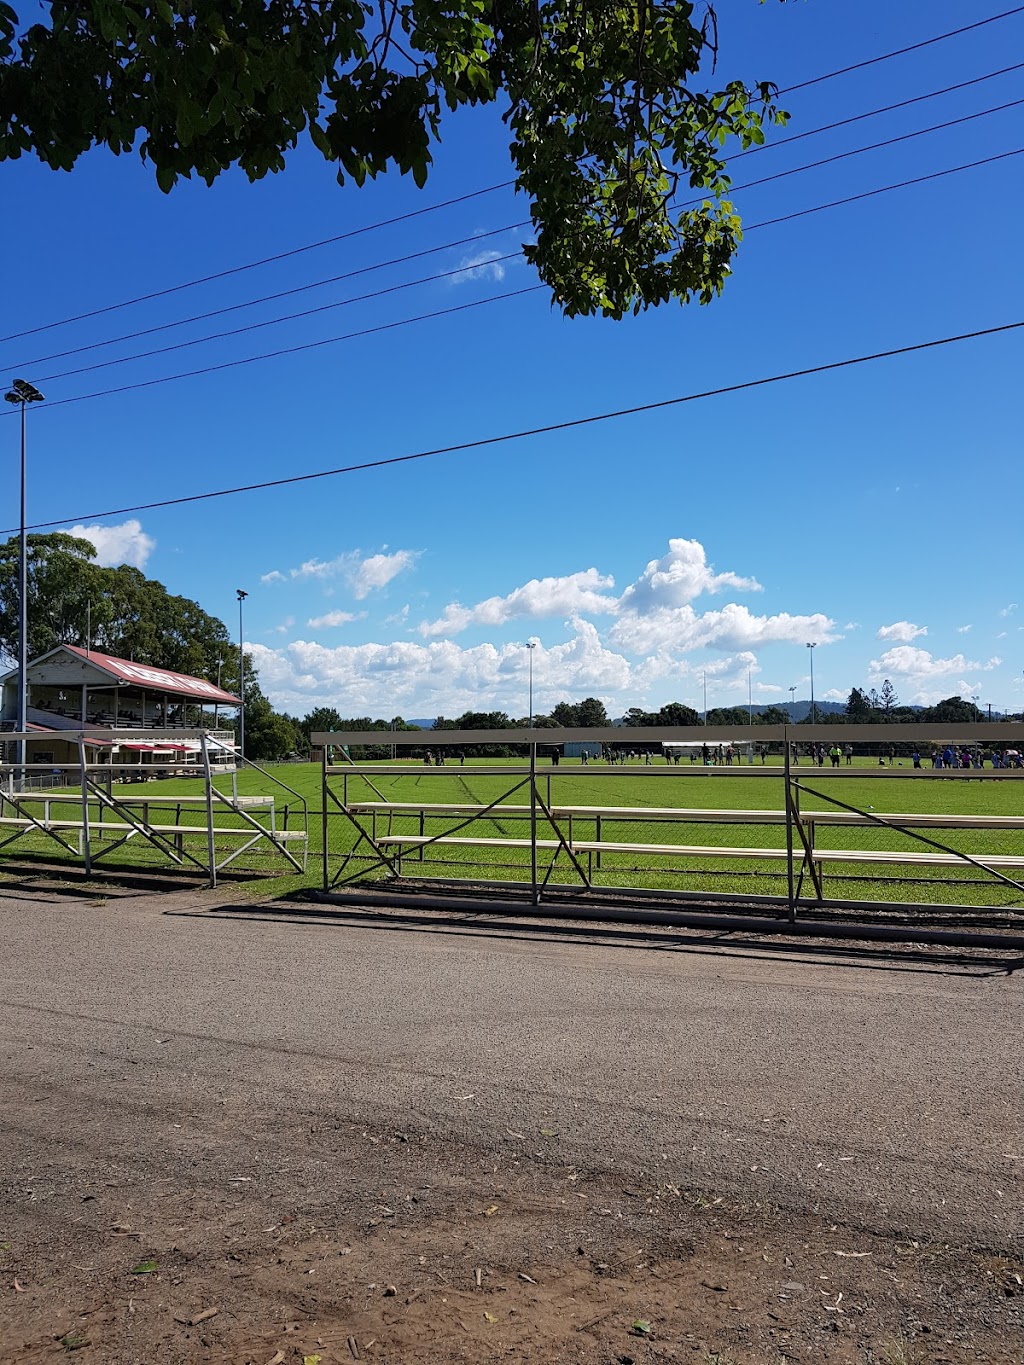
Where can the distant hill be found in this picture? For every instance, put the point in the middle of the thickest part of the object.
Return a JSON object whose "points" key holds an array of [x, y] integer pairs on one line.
{"points": [[427, 724]]}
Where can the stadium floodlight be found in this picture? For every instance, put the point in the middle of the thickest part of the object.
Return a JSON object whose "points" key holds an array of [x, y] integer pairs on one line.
{"points": [[23, 393], [242, 595], [531, 645], [812, 646]]}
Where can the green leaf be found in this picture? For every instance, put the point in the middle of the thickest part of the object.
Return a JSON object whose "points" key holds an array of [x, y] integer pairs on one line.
{"points": [[147, 1267]]}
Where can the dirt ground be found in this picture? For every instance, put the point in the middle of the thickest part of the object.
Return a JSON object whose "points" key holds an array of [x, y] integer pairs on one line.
{"points": [[188, 1217], [434, 1254]]}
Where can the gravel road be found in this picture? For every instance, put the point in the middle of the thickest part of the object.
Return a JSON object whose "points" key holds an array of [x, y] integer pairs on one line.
{"points": [[883, 1089]]}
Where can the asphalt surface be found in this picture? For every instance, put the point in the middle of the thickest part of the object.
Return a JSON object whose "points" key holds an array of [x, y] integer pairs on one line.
{"points": [[879, 1089]]}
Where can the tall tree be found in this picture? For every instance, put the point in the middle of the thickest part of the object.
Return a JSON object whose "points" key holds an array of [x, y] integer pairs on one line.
{"points": [[859, 710], [888, 699], [675, 713], [613, 122]]}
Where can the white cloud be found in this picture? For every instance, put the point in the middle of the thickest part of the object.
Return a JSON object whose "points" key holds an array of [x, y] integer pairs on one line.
{"points": [[334, 618], [733, 627], [482, 265], [962, 630], [678, 578], [285, 626], [901, 631], [368, 575], [362, 575], [852, 625], [405, 676], [908, 661], [541, 597], [124, 544], [1008, 610]]}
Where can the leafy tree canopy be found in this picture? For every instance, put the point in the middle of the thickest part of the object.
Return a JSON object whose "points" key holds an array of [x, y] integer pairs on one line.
{"points": [[613, 124], [590, 711], [128, 614]]}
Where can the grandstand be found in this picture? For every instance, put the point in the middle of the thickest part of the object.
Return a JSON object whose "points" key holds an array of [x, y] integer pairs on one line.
{"points": [[72, 689]]}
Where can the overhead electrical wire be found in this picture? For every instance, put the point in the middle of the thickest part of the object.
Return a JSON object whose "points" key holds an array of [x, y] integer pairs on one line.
{"points": [[495, 298], [549, 428], [902, 51], [473, 194], [410, 284]]}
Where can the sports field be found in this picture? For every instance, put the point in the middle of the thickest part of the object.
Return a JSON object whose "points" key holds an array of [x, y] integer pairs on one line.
{"points": [[636, 804]]}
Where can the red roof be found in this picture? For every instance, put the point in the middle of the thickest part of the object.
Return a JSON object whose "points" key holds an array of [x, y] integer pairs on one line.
{"points": [[154, 679]]}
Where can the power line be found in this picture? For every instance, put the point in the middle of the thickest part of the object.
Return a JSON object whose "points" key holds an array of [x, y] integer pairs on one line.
{"points": [[884, 189], [272, 298], [463, 198], [871, 147], [265, 260], [494, 298], [872, 113], [902, 51], [290, 317], [410, 284], [528, 432]]}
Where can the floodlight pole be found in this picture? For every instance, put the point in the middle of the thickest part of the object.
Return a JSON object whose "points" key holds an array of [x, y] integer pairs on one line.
{"points": [[531, 645], [705, 677], [242, 595], [23, 393], [811, 646]]}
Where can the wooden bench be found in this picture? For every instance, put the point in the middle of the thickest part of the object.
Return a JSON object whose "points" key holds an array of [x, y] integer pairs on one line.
{"points": [[704, 851], [122, 827]]}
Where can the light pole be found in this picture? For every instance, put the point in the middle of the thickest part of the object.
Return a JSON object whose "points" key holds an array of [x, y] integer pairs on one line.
{"points": [[242, 595], [531, 645], [792, 699], [705, 677], [216, 704], [23, 393], [811, 647]]}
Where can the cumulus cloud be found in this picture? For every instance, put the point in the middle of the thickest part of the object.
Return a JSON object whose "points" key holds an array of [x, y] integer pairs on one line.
{"points": [[909, 661], [901, 631], [439, 676], [334, 618], [542, 597], [369, 575], [362, 575], [733, 627], [678, 578], [962, 630], [124, 544], [285, 626], [1008, 610]]}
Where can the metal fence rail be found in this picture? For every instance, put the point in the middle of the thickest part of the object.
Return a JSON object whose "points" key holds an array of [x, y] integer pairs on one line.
{"points": [[88, 810], [791, 841]]}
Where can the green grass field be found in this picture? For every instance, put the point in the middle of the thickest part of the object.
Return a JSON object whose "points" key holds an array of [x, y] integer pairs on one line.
{"points": [[660, 786]]}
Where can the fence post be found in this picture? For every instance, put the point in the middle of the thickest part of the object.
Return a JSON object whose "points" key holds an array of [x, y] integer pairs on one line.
{"points": [[791, 897], [534, 891], [211, 845], [323, 811], [86, 848]]}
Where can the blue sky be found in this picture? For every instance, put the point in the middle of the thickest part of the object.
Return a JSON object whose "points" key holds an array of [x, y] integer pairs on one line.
{"points": [[873, 511]]}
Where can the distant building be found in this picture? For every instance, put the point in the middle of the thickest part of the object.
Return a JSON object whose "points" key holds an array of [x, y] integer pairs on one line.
{"points": [[577, 748]]}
